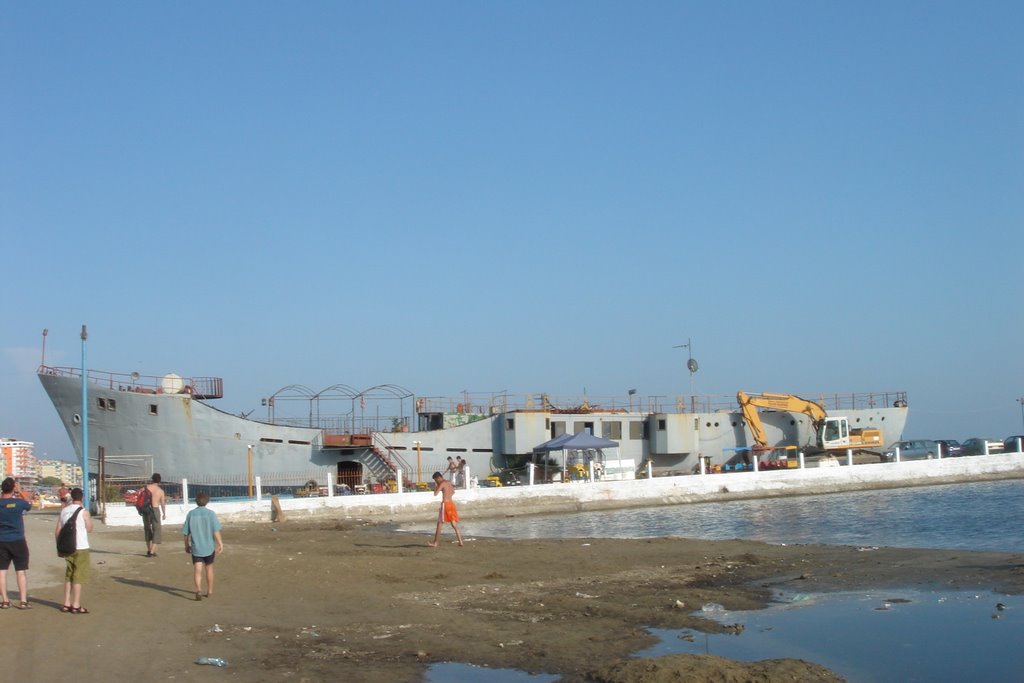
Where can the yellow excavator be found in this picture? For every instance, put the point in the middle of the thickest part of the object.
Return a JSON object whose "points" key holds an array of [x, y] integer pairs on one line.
{"points": [[832, 433]]}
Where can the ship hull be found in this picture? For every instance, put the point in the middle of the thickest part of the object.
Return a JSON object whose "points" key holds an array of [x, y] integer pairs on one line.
{"points": [[181, 436]]}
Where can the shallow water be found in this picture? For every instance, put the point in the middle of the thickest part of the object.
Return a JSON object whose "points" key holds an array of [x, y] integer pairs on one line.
{"points": [[874, 636], [867, 637], [941, 636], [450, 672], [981, 516]]}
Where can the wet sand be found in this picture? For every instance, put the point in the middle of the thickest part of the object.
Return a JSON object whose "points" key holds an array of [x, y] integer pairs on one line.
{"points": [[321, 600]]}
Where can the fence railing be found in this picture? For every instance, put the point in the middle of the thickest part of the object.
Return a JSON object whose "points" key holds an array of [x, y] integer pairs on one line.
{"points": [[493, 405], [198, 387]]}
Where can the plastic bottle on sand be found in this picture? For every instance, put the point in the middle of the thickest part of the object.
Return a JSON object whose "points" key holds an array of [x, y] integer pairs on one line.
{"points": [[212, 661]]}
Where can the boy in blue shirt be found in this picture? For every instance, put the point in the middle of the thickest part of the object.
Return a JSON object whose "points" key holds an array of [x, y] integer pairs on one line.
{"points": [[202, 541]]}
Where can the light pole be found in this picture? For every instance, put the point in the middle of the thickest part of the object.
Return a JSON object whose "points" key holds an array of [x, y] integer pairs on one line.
{"points": [[85, 426], [1021, 402], [419, 476], [250, 470]]}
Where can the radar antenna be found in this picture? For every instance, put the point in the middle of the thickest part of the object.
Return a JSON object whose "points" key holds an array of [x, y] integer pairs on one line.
{"points": [[691, 362]]}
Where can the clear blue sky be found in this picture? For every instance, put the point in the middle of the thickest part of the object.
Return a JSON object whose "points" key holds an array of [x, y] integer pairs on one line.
{"points": [[521, 196]]}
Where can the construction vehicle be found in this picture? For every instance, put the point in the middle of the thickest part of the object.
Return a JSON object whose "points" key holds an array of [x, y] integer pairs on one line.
{"points": [[831, 432]]}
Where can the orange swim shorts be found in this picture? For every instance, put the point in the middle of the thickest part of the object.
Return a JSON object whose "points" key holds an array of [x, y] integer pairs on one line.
{"points": [[448, 511]]}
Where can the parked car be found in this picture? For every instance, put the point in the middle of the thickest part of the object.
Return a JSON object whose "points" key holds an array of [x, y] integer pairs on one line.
{"points": [[950, 447], [918, 449], [1010, 444], [976, 446]]}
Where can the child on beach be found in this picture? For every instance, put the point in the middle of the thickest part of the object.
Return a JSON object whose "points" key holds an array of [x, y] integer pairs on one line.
{"points": [[448, 512], [203, 542]]}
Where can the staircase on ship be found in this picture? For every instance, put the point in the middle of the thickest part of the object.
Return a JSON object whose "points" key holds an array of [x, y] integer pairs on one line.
{"points": [[381, 460]]}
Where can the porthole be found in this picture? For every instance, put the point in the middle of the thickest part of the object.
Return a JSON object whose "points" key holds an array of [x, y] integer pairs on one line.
{"points": [[733, 424], [792, 422], [716, 424], [707, 424], [76, 418]]}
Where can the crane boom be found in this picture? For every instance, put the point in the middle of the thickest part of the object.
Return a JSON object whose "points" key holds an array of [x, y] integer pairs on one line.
{"points": [[831, 432], [749, 403]]}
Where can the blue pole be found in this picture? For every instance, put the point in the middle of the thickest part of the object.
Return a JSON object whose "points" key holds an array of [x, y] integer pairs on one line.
{"points": [[85, 427]]}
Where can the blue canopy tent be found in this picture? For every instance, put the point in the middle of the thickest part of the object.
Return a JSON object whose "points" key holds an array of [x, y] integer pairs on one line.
{"points": [[581, 441]]}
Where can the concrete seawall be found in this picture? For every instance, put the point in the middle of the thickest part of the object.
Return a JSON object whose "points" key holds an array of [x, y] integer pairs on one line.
{"points": [[604, 495]]}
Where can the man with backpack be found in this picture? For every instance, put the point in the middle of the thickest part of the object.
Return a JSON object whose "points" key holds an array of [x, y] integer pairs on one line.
{"points": [[151, 499], [77, 561]]}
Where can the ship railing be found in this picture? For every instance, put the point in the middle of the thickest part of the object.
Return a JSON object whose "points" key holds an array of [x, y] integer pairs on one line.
{"points": [[346, 424], [198, 387], [492, 404], [385, 424]]}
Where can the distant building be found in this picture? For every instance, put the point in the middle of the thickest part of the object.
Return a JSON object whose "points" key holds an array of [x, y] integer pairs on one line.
{"points": [[18, 458], [67, 472]]}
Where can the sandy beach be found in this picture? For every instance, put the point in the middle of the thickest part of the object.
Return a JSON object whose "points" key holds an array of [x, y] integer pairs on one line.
{"points": [[315, 600]]}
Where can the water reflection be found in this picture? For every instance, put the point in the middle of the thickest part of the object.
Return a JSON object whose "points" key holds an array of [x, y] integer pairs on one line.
{"points": [[451, 672]]}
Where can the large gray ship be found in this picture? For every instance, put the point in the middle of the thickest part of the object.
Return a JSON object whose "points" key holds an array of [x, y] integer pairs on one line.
{"points": [[139, 424]]}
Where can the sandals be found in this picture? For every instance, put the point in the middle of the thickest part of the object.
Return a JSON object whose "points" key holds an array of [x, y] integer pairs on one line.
{"points": [[79, 610], [24, 605], [6, 604], [65, 608]]}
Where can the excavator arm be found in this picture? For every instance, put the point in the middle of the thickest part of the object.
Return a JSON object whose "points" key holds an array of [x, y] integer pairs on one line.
{"points": [[749, 403]]}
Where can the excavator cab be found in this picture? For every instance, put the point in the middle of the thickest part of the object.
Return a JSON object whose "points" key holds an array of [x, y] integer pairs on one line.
{"points": [[835, 433]]}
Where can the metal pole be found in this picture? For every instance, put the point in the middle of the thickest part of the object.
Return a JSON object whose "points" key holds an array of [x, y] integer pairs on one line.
{"points": [[250, 471], [689, 364], [419, 474], [85, 426]]}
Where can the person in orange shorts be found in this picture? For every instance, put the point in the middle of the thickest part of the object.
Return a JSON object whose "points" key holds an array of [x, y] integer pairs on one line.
{"points": [[448, 512]]}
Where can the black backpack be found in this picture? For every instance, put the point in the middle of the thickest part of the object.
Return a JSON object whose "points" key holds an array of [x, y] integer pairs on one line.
{"points": [[67, 539]]}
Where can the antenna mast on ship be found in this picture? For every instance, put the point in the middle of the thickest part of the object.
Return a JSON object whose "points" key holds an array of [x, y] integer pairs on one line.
{"points": [[691, 365]]}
